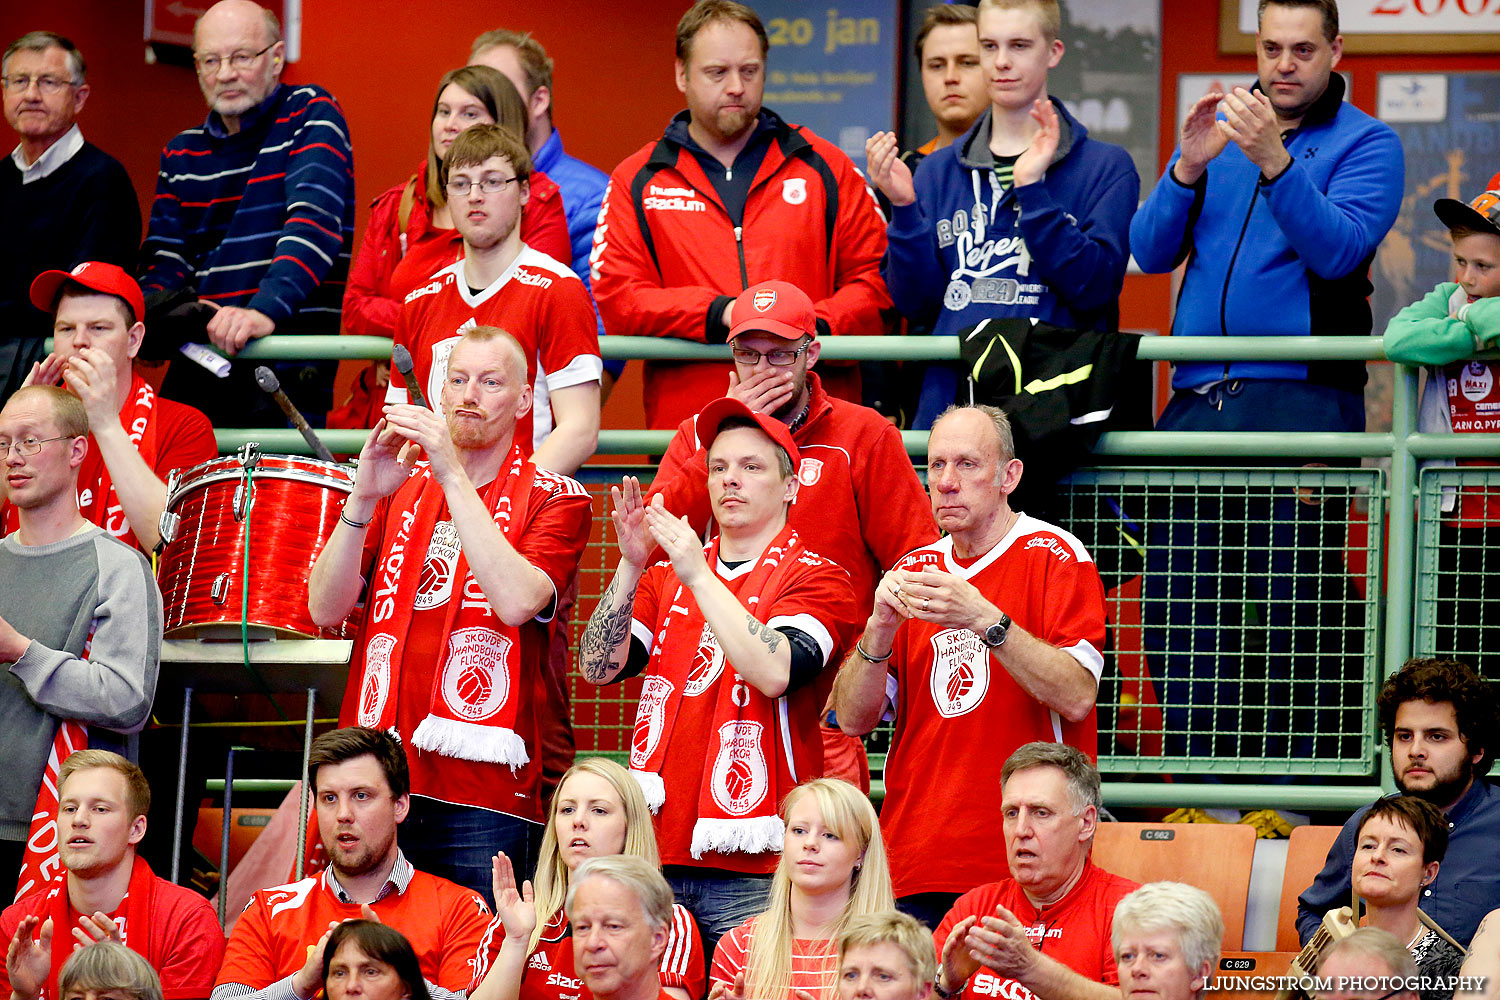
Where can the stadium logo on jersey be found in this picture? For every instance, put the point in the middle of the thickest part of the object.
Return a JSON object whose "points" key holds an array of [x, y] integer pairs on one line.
{"points": [[1053, 545], [475, 681], [431, 288], [810, 471], [651, 711], [436, 583], [665, 199], [960, 672], [794, 190], [708, 664], [377, 681], [526, 277], [739, 782], [987, 985]]}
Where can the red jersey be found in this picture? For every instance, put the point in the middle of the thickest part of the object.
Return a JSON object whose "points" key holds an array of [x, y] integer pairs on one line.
{"points": [[443, 922], [667, 255], [1075, 930], [185, 944], [815, 964], [553, 539], [551, 975], [538, 300], [950, 696], [817, 601], [391, 261], [859, 501]]}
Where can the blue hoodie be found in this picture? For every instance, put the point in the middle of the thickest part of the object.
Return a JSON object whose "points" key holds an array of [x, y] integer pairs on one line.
{"points": [[1056, 250], [1284, 257]]}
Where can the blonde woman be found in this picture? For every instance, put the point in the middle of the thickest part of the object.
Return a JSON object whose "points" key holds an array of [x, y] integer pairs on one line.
{"points": [[527, 952], [832, 868]]}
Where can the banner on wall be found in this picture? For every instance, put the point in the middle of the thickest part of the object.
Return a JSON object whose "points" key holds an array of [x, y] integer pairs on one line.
{"points": [[1386, 25], [170, 22], [832, 67], [1448, 128]]}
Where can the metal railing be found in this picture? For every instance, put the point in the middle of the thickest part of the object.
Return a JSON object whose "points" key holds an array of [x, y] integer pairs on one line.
{"points": [[1355, 612]]}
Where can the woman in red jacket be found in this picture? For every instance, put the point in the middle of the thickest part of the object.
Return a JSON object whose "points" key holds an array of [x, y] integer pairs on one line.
{"points": [[411, 234]]}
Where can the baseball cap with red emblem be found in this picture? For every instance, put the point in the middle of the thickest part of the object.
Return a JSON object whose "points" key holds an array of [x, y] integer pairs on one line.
{"points": [[1481, 215], [775, 307], [97, 276], [720, 410]]}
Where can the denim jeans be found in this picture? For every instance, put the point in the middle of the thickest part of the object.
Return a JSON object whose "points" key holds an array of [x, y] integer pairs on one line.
{"points": [[719, 901], [457, 842]]}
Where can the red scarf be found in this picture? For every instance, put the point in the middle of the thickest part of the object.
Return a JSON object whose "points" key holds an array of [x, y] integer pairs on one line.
{"points": [[133, 914], [472, 714], [744, 777], [96, 493], [41, 859]]}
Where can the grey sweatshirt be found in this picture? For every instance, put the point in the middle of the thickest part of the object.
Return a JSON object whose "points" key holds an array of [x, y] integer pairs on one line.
{"points": [[57, 595]]}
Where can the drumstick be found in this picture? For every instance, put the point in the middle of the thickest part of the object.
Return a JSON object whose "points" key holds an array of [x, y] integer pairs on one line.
{"points": [[401, 358], [269, 384]]}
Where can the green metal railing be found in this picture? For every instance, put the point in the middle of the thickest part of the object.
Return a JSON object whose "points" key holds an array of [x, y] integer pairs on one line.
{"points": [[1363, 600]]}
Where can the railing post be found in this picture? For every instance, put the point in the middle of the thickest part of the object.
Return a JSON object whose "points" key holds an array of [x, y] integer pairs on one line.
{"points": [[1400, 558]]}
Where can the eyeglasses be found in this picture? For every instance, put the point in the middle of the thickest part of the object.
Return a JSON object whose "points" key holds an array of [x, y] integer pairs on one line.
{"points": [[780, 359], [460, 186], [239, 61], [48, 85], [26, 447]]}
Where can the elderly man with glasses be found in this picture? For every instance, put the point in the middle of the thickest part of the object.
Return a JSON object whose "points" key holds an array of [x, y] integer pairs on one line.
{"points": [[80, 617], [252, 222], [49, 222]]}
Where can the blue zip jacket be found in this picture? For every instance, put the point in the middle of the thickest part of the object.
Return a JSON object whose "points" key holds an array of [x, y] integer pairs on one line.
{"points": [[1055, 250], [1285, 257]]}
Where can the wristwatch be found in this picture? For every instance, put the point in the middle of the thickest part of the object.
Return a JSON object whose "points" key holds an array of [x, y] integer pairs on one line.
{"points": [[994, 636]]}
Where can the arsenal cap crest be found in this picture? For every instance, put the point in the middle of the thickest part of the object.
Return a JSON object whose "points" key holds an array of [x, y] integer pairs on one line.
{"points": [[775, 307]]}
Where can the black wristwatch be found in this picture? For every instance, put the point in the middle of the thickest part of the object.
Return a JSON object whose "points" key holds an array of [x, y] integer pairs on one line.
{"points": [[994, 636]]}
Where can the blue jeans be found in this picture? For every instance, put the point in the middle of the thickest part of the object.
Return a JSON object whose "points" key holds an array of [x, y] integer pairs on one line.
{"points": [[457, 842], [1246, 591], [719, 901]]}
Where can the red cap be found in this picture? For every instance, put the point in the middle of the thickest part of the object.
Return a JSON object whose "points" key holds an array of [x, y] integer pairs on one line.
{"points": [[719, 410], [775, 307], [111, 279]]}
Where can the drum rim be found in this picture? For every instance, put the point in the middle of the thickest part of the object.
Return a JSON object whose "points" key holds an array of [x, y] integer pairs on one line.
{"points": [[192, 479]]}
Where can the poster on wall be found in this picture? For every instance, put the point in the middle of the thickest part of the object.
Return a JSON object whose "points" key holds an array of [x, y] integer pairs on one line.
{"points": [[1110, 74], [169, 23], [1386, 25], [1449, 124], [832, 67]]}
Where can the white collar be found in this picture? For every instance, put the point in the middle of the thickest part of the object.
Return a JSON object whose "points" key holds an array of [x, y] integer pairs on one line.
{"points": [[52, 158]]}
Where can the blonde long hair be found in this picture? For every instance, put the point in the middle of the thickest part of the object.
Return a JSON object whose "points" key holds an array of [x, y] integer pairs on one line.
{"points": [[551, 881], [848, 813]]}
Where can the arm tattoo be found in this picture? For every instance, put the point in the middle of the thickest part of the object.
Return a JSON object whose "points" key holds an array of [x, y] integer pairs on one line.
{"points": [[764, 633], [607, 630]]}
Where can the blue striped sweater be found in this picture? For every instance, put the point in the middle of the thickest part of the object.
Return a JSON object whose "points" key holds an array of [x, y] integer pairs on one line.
{"points": [[262, 218]]}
